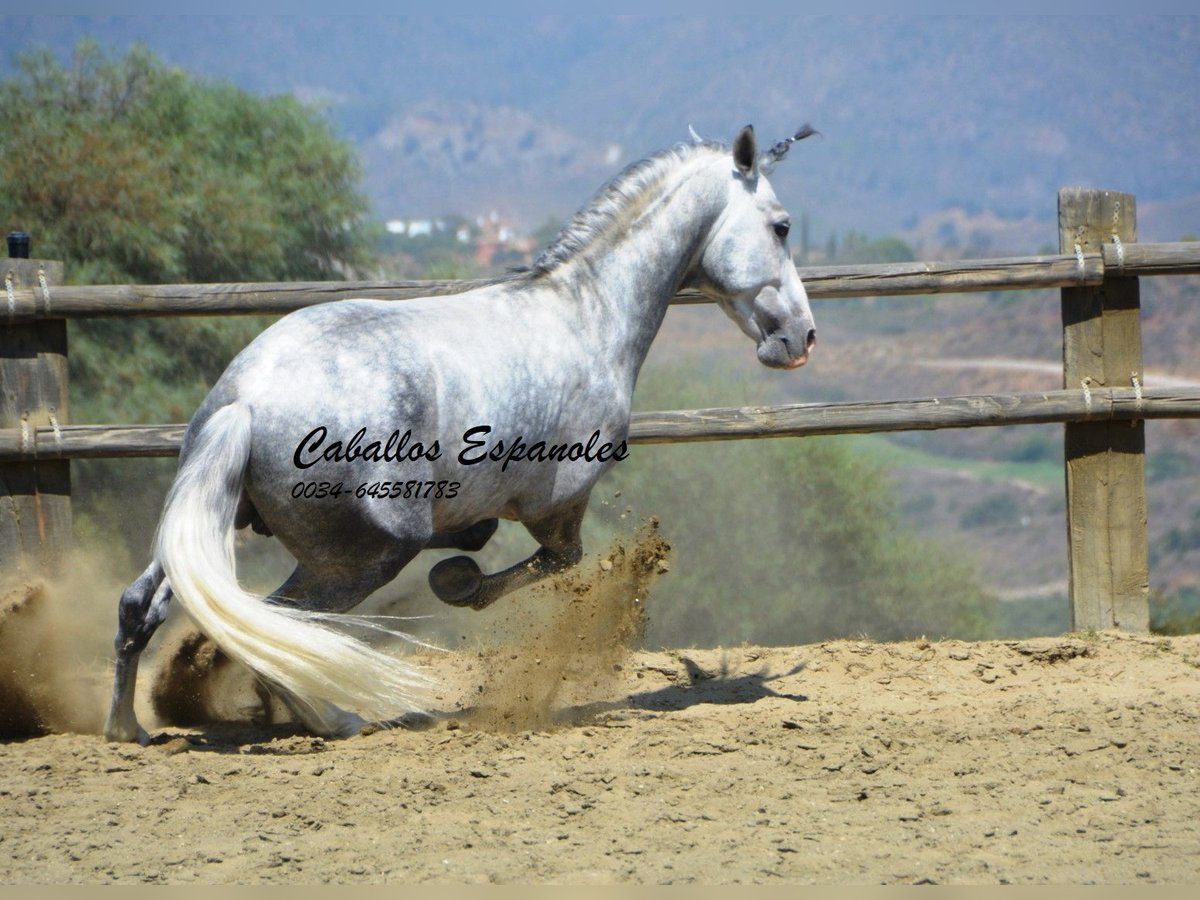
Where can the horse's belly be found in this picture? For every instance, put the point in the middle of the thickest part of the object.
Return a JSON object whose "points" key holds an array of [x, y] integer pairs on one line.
{"points": [[523, 480]]}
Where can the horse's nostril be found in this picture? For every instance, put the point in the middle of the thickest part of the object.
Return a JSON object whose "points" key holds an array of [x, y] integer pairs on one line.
{"points": [[812, 339]]}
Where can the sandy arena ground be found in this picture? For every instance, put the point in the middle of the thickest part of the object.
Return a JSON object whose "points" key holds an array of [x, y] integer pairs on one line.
{"points": [[1050, 760], [557, 754]]}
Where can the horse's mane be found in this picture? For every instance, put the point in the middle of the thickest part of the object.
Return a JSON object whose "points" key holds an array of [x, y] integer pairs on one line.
{"points": [[613, 201]]}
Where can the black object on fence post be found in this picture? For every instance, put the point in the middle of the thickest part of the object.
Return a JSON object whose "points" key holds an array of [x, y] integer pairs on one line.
{"points": [[35, 492], [18, 245], [1105, 461]]}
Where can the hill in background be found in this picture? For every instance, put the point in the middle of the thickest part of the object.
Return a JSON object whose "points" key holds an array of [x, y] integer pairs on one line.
{"points": [[984, 115]]}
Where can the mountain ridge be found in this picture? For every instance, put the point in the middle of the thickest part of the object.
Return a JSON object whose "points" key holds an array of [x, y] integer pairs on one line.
{"points": [[918, 114]]}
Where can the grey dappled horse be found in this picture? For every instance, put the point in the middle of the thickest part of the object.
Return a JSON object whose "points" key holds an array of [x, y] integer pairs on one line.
{"points": [[319, 430]]}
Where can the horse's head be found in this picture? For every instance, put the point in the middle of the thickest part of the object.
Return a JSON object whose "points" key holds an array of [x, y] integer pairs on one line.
{"points": [[746, 265]]}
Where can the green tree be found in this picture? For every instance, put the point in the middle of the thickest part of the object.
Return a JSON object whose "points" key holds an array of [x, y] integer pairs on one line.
{"points": [[131, 171]]}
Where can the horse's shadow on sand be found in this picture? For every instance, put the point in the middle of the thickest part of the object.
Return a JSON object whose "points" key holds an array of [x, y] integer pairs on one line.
{"points": [[701, 687]]}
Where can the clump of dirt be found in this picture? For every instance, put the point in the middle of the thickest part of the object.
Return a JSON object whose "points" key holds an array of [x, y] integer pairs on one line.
{"points": [[1055, 651], [566, 640], [195, 683]]}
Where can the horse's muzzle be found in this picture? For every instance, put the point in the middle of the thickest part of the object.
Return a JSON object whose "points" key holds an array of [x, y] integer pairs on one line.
{"points": [[778, 351]]}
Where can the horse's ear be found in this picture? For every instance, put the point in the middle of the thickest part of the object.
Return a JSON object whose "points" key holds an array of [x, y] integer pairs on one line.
{"points": [[745, 151]]}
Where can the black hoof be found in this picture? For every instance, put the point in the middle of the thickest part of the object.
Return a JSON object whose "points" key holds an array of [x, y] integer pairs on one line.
{"points": [[456, 581]]}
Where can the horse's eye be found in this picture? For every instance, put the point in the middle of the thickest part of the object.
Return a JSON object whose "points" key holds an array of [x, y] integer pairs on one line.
{"points": [[782, 229]]}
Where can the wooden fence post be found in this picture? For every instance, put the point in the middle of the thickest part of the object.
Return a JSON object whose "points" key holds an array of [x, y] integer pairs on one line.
{"points": [[1105, 461], [35, 497]]}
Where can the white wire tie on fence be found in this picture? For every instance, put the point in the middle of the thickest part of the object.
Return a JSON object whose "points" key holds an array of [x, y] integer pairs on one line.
{"points": [[25, 435], [1120, 253], [1079, 258], [57, 431], [1086, 384], [45, 290], [1138, 401], [12, 297]]}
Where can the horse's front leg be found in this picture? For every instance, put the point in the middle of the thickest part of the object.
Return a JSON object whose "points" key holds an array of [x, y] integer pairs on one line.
{"points": [[143, 608], [458, 581]]}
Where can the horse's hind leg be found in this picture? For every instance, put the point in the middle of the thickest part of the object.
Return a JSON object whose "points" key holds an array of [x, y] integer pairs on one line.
{"points": [[309, 590], [459, 582], [469, 539], [143, 608]]}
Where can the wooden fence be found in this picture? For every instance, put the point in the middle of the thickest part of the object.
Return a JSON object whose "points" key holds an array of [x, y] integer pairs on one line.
{"points": [[1103, 404]]}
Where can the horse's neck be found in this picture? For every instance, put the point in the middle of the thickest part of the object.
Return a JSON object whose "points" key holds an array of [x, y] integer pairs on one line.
{"points": [[629, 285]]}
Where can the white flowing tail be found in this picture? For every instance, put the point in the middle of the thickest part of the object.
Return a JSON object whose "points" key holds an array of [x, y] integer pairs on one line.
{"points": [[288, 647]]}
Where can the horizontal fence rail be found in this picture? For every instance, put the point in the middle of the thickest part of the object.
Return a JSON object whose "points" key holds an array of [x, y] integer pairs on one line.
{"points": [[718, 424], [821, 282], [804, 419]]}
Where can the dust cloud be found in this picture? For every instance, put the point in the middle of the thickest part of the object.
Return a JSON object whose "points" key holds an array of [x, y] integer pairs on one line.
{"points": [[56, 648], [559, 643], [553, 647], [564, 642]]}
